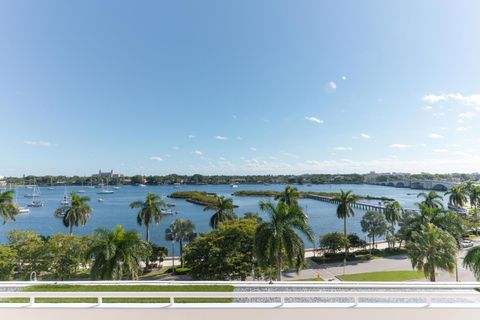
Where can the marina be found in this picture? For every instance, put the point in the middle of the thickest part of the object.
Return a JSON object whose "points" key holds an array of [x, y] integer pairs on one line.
{"points": [[112, 209]]}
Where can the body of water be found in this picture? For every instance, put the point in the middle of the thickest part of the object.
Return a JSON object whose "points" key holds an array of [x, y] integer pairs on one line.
{"points": [[115, 210]]}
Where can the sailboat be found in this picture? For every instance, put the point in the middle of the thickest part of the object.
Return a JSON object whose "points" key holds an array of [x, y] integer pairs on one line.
{"points": [[65, 201], [20, 209], [51, 185], [81, 190], [35, 192], [105, 189], [33, 195]]}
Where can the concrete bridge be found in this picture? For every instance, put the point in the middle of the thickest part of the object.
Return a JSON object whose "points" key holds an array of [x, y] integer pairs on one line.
{"points": [[417, 184]]}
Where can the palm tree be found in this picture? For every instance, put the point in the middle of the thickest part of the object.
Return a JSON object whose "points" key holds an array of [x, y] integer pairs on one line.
{"points": [[278, 237], [472, 261], [457, 196], [117, 254], [181, 231], [8, 208], [432, 248], [290, 196], [431, 199], [75, 214], [345, 210], [223, 211], [149, 211], [474, 196], [393, 212]]}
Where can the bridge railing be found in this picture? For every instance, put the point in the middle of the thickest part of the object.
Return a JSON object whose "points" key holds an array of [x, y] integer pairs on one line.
{"points": [[348, 295]]}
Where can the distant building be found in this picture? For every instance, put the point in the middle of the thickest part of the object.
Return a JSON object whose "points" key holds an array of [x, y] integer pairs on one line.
{"points": [[109, 174]]}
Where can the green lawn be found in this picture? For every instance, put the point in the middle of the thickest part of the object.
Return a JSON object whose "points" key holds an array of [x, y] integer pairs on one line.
{"points": [[310, 279], [383, 276], [125, 288]]}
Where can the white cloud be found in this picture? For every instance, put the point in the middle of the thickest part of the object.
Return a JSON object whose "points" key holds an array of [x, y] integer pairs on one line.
{"points": [[427, 108], [314, 119], [460, 128], [222, 159], [466, 115], [198, 152], [39, 143], [253, 149], [220, 138], [290, 155], [364, 136], [156, 158], [399, 146], [332, 85], [440, 150], [472, 100], [191, 136], [344, 78], [342, 148], [435, 136], [432, 98]]}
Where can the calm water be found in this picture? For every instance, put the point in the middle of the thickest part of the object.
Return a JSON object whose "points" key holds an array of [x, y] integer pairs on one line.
{"points": [[115, 210]]}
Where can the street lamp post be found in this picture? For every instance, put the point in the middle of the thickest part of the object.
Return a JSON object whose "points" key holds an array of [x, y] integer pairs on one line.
{"points": [[173, 256]]}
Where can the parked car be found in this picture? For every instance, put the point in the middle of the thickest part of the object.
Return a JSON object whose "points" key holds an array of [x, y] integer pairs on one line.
{"points": [[467, 243]]}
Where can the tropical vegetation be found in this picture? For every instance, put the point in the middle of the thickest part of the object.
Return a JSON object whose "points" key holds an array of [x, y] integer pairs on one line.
{"points": [[181, 231], [277, 239], [149, 212], [117, 254], [223, 208], [8, 208], [76, 213], [432, 248]]}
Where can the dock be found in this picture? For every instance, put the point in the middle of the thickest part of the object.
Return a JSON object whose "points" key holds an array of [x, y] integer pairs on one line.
{"points": [[356, 205]]}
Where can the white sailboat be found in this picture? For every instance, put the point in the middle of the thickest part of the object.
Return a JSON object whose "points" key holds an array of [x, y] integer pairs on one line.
{"points": [[105, 189], [21, 210], [81, 190], [35, 192], [51, 185], [35, 203], [65, 202]]}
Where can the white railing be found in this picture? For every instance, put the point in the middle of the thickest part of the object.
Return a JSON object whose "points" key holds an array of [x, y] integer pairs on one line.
{"points": [[375, 295]]}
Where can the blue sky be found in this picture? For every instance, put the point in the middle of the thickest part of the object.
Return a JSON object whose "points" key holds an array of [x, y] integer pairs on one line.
{"points": [[239, 87]]}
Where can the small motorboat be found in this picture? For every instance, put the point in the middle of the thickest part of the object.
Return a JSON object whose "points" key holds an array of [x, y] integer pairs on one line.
{"points": [[22, 210], [35, 204]]}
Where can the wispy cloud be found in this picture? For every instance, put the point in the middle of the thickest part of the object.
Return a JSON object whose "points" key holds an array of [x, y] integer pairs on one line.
{"points": [[156, 158], [364, 136], [472, 100], [191, 136], [440, 150], [197, 152], [332, 85], [176, 148], [314, 119], [399, 146], [427, 108], [344, 78], [253, 149], [342, 148], [435, 136], [39, 143], [220, 138]]}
